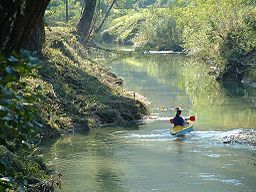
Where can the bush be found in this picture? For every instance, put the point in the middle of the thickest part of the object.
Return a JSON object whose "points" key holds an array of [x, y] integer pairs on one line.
{"points": [[17, 113], [154, 28]]}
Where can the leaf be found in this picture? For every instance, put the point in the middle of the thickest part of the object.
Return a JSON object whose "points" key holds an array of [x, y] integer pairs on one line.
{"points": [[9, 70], [6, 118], [33, 61], [3, 108], [29, 57], [12, 59]]}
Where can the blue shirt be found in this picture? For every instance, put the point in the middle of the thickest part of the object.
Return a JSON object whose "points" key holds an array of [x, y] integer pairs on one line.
{"points": [[178, 121]]}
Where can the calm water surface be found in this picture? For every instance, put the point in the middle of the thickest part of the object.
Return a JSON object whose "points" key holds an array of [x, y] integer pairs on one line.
{"points": [[146, 157]]}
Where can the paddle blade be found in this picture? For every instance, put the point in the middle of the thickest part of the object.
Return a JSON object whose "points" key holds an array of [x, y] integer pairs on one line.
{"points": [[192, 118], [171, 120]]}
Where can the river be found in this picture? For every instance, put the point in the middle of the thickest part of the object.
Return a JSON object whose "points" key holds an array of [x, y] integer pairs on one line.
{"points": [[146, 157]]}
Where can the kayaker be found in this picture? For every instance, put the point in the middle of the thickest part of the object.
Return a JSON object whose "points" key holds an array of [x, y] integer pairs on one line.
{"points": [[178, 119]]}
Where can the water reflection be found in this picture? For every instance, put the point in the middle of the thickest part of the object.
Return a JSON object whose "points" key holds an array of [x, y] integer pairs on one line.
{"points": [[109, 181], [179, 144], [146, 157], [171, 81], [87, 160]]}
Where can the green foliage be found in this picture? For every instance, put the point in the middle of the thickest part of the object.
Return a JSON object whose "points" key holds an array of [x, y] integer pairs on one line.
{"points": [[140, 4], [252, 74], [18, 120], [16, 102], [20, 169], [220, 32], [205, 24], [152, 28], [125, 27], [238, 43], [56, 11], [159, 31]]}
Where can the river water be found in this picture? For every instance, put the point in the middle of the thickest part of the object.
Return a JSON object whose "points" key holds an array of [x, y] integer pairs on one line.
{"points": [[146, 157]]}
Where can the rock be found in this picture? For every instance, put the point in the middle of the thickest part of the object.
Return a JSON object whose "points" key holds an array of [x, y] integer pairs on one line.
{"points": [[244, 136]]}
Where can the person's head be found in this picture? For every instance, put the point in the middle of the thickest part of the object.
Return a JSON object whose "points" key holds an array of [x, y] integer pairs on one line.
{"points": [[178, 113]]}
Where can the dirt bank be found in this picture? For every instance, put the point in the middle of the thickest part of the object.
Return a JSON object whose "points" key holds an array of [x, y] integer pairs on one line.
{"points": [[78, 91]]}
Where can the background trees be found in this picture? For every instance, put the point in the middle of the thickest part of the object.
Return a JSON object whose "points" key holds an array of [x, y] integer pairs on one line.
{"points": [[56, 12], [84, 26], [222, 33], [219, 32]]}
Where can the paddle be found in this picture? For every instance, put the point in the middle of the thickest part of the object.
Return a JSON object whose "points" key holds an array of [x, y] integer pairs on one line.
{"points": [[191, 118]]}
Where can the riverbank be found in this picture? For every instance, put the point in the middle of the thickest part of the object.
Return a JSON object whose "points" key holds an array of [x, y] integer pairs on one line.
{"points": [[79, 92], [75, 92]]}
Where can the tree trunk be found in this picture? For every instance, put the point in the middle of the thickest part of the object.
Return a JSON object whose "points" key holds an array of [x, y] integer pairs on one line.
{"points": [[18, 20], [67, 18], [105, 17], [36, 40], [85, 23]]}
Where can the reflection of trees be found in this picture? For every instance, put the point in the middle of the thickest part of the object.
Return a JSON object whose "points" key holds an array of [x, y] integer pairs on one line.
{"points": [[87, 160], [159, 67], [179, 144], [110, 181], [217, 105], [156, 76], [90, 144]]}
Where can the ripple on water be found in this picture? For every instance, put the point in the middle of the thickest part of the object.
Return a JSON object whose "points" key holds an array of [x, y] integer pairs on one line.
{"points": [[213, 155], [154, 135], [214, 177], [204, 139], [216, 139]]}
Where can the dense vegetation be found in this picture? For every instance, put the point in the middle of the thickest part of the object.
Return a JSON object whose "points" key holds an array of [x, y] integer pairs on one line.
{"points": [[18, 121], [219, 32]]}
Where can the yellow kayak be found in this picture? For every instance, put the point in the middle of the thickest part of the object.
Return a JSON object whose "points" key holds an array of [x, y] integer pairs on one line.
{"points": [[179, 130]]}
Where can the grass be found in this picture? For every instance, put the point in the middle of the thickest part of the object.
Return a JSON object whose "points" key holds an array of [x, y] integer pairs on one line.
{"points": [[78, 93]]}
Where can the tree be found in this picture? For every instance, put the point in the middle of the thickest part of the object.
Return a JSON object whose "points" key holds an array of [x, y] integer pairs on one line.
{"points": [[85, 23], [106, 15], [67, 18], [18, 20], [36, 40], [59, 11]]}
